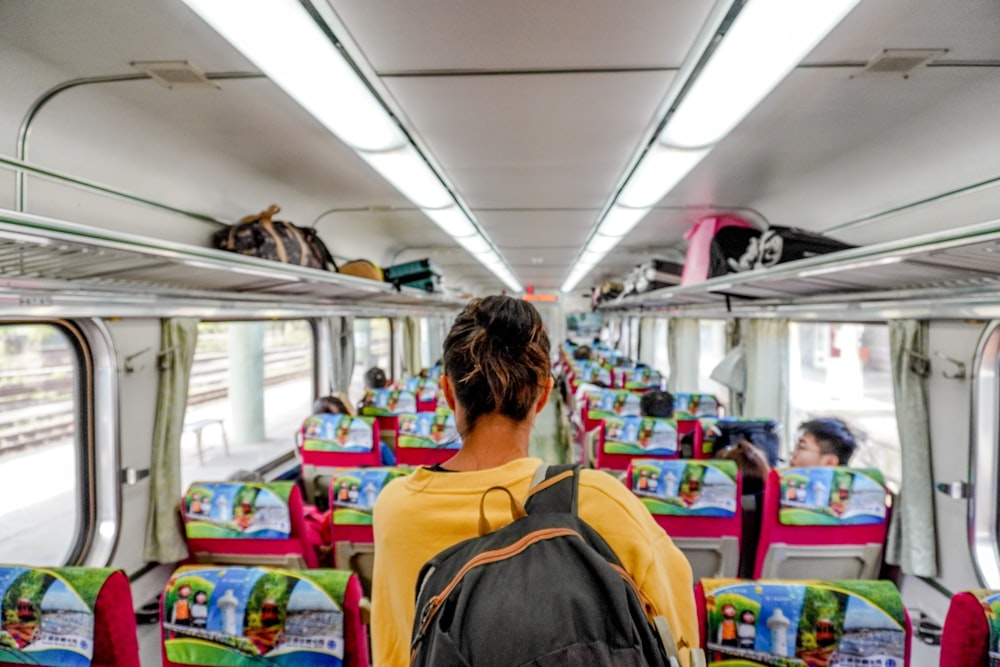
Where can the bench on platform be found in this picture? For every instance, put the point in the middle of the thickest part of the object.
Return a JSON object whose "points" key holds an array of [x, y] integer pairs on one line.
{"points": [[198, 426]]}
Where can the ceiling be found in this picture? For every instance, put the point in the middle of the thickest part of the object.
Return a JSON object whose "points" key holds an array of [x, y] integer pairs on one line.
{"points": [[530, 111]]}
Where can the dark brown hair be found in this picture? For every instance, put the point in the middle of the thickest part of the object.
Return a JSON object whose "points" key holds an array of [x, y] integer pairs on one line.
{"points": [[497, 358], [752, 463]]}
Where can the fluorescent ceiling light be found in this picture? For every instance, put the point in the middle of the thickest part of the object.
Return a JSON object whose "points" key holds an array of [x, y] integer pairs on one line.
{"points": [[766, 41], [602, 244], [620, 220], [476, 245], [591, 257], [659, 171], [410, 174], [281, 39], [452, 221]]}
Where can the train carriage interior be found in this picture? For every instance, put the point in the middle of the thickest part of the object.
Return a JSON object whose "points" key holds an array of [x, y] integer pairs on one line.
{"points": [[778, 211]]}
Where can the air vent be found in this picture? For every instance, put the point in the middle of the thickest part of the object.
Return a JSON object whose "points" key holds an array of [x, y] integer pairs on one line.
{"points": [[174, 73], [901, 62]]}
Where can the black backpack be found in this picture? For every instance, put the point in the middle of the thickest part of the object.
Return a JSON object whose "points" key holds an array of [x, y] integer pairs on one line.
{"points": [[543, 591], [763, 433]]}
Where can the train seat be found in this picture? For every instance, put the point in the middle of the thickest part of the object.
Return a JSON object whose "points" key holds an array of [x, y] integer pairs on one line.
{"points": [[353, 493], [698, 504], [769, 622], [621, 439], [385, 406], [828, 522], [427, 438], [696, 406], [426, 392], [67, 616], [970, 633], [247, 523], [328, 441], [262, 615]]}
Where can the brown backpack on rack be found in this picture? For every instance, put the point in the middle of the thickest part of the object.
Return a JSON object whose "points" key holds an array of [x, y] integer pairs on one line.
{"points": [[363, 268], [262, 236]]}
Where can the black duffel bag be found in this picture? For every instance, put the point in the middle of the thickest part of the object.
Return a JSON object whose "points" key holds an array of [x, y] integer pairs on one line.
{"points": [[262, 236], [737, 249]]}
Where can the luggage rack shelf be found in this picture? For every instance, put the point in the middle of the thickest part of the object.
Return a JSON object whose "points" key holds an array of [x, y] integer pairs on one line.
{"points": [[47, 262], [955, 273]]}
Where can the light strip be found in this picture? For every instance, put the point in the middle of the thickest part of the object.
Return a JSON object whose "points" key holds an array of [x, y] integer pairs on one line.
{"points": [[280, 38], [766, 41], [409, 173], [285, 43]]}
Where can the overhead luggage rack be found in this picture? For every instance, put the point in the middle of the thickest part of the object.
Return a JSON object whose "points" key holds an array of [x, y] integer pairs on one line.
{"points": [[44, 256], [952, 273]]}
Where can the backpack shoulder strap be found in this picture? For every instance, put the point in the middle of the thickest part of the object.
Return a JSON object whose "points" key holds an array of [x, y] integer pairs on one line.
{"points": [[554, 489]]}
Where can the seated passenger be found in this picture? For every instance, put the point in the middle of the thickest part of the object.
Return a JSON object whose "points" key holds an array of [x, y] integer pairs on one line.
{"points": [[497, 380], [375, 378], [823, 442], [582, 353], [336, 406], [657, 403]]}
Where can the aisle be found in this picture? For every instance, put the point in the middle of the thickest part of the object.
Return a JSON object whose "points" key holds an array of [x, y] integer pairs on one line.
{"points": [[549, 441]]}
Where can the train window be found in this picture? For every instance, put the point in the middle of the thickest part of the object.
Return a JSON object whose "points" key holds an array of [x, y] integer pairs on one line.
{"points": [[41, 444], [661, 358], [251, 386], [712, 348], [372, 347], [843, 370]]}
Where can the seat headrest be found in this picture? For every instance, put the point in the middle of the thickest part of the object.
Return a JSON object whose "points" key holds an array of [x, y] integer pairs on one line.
{"points": [[696, 405], [832, 496], [353, 492], [759, 621], [610, 403], [235, 615], [425, 389], [338, 433], [252, 510], [435, 430], [388, 402], [640, 435], [686, 488], [48, 614]]}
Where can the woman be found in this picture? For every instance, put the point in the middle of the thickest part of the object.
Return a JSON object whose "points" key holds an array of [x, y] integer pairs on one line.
{"points": [[497, 378]]}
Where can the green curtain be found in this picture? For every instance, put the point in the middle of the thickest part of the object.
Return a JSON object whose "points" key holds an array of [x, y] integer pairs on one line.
{"points": [[767, 358], [411, 347], [342, 339], [683, 354], [912, 542], [164, 531]]}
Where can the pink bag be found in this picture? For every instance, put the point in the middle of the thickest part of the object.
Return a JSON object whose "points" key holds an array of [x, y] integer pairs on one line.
{"points": [[699, 238]]}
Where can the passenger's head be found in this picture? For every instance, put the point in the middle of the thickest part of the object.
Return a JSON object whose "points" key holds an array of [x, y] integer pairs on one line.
{"points": [[330, 404], [496, 362], [823, 442], [752, 464], [657, 403], [375, 378], [582, 353]]}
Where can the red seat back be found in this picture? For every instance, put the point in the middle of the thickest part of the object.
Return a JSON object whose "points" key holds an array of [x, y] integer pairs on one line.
{"points": [[247, 523], [968, 635], [246, 615], [822, 520], [68, 616]]}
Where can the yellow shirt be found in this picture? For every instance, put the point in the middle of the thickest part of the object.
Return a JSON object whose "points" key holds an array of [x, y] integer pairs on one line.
{"points": [[418, 516]]}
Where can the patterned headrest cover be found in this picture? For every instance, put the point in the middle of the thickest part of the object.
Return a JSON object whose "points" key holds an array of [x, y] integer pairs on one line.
{"points": [[832, 496], [434, 430], [254, 615], [338, 433], [47, 614], [695, 405], [353, 492], [388, 402], [759, 622], [640, 435], [685, 488], [612, 404], [228, 510], [990, 601], [643, 378]]}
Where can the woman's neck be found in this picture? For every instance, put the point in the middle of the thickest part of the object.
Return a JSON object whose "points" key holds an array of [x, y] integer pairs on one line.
{"points": [[492, 442]]}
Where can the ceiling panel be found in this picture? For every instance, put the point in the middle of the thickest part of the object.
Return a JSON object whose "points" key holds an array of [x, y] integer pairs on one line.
{"points": [[522, 34], [533, 141]]}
